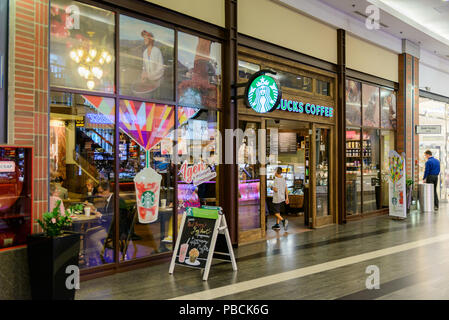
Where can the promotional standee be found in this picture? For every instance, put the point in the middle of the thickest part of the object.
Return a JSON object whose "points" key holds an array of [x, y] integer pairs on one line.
{"points": [[203, 236], [397, 185]]}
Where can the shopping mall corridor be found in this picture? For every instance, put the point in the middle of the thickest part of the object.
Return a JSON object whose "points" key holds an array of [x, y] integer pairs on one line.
{"points": [[328, 263]]}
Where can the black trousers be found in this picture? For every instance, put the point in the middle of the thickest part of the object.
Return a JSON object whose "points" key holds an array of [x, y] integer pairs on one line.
{"points": [[434, 179]]}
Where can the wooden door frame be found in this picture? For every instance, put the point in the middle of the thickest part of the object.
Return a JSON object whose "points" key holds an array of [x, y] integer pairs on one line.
{"points": [[331, 218], [259, 233]]}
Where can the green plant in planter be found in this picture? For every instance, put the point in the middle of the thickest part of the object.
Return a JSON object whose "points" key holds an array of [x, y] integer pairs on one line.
{"points": [[76, 207], [409, 182], [53, 223]]}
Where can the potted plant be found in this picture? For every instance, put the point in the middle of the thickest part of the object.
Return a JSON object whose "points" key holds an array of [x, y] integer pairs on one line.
{"points": [[50, 253], [409, 188]]}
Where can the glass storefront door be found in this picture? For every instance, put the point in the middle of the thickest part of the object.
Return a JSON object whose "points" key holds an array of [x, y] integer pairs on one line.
{"points": [[251, 213], [321, 167]]}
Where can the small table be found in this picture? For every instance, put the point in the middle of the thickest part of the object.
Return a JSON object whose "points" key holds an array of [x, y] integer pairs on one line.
{"points": [[81, 223]]}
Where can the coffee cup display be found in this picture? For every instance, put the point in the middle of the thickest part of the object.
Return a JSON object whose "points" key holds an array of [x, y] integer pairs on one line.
{"points": [[193, 255]]}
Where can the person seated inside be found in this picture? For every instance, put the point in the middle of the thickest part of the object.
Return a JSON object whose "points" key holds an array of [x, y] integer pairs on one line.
{"points": [[63, 192], [90, 192], [104, 210], [55, 197], [105, 213]]}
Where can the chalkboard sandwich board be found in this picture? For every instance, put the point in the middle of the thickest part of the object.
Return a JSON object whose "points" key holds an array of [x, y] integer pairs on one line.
{"points": [[195, 245]]}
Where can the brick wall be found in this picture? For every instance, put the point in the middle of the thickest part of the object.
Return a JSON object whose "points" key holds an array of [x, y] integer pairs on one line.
{"points": [[28, 102]]}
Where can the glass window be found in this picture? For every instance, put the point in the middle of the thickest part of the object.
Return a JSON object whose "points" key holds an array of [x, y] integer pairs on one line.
{"points": [[387, 144], [199, 72], [353, 172], [388, 103], [371, 170], [294, 81], [322, 172], [81, 46], [370, 100], [147, 174], [82, 169], [146, 59], [432, 112], [323, 87], [353, 103], [249, 177], [246, 69], [198, 151]]}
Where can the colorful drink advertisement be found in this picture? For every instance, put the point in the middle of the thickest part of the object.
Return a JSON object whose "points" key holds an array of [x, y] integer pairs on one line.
{"points": [[148, 186], [397, 185]]}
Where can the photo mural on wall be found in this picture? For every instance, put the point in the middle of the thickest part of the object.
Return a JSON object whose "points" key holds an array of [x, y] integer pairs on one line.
{"points": [[146, 59]]}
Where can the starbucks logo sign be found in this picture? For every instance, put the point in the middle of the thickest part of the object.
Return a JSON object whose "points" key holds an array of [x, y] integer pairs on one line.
{"points": [[147, 199], [263, 93]]}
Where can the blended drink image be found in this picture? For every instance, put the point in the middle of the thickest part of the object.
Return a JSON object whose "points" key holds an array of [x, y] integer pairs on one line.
{"points": [[147, 183], [183, 252]]}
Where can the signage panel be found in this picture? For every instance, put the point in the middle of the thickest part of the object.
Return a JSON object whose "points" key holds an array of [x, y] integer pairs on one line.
{"points": [[428, 129], [263, 94]]}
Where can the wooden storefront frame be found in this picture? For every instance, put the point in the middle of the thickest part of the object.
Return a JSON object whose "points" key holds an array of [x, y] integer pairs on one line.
{"points": [[267, 61]]}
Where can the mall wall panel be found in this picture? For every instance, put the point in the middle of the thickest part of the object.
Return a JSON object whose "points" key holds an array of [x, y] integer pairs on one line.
{"points": [[371, 59], [408, 113], [212, 11], [27, 120], [277, 24]]}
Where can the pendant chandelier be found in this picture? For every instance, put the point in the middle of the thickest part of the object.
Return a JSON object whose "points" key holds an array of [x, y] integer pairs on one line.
{"points": [[90, 61]]}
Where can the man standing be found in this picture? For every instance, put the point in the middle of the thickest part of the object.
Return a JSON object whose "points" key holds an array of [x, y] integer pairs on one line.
{"points": [[280, 198], [431, 174]]}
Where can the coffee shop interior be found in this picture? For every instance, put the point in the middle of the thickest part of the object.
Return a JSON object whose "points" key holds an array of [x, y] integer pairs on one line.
{"points": [[82, 174], [287, 146]]}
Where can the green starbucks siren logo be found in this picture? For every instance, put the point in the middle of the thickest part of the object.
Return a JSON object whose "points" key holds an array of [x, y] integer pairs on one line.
{"points": [[263, 93], [147, 199]]}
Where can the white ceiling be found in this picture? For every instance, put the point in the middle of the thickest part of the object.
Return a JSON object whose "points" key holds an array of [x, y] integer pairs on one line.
{"points": [[424, 22]]}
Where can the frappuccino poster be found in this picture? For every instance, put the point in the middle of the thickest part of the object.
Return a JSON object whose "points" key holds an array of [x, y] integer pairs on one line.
{"points": [[397, 185]]}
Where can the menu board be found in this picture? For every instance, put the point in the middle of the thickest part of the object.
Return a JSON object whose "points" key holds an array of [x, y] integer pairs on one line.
{"points": [[196, 237], [287, 142]]}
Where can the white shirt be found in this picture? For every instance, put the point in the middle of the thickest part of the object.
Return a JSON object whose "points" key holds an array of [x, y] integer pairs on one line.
{"points": [[153, 65], [280, 185]]}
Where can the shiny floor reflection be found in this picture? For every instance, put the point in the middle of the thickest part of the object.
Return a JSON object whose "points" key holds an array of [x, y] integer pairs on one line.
{"points": [[410, 273]]}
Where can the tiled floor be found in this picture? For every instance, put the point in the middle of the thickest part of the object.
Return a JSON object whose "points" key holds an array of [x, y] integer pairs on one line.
{"points": [[327, 263]]}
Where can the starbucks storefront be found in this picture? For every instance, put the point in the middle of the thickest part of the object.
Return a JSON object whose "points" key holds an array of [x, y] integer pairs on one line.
{"points": [[287, 120]]}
